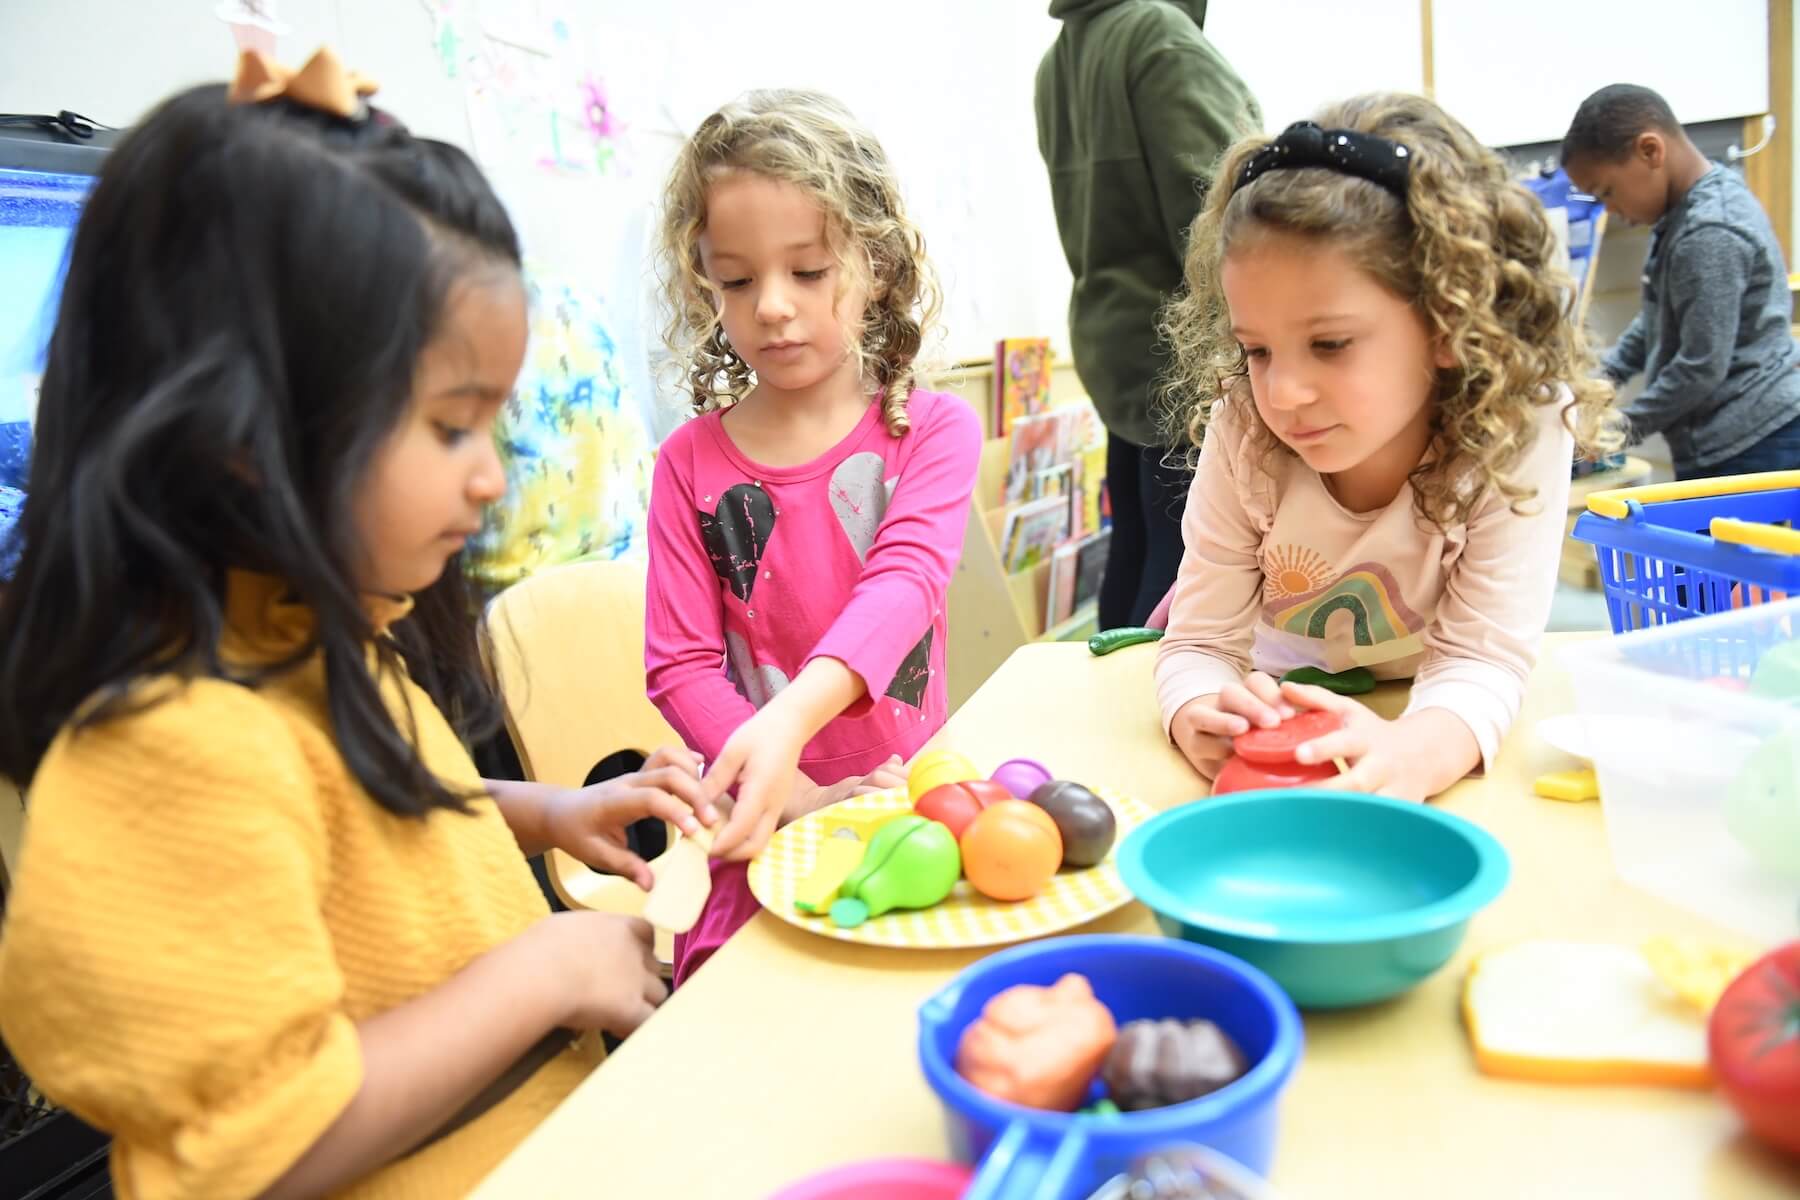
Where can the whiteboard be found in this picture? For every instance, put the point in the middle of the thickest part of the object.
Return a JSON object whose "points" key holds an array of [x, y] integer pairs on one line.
{"points": [[1516, 73], [1299, 55]]}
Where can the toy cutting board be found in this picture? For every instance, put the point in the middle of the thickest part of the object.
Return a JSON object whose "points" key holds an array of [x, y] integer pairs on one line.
{"points": [[966, 918]]}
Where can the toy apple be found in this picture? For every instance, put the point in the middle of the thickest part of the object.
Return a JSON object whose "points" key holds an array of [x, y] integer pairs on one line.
{"points": [[954, 805], [1264, 758], [1753, 1041]]}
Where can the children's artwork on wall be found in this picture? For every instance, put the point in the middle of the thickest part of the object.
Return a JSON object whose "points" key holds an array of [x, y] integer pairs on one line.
{"points": [[576, 451], [533, 96]]}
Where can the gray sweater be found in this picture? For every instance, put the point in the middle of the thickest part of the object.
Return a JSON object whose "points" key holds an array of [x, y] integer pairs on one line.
{"points": [[1714, 335]]}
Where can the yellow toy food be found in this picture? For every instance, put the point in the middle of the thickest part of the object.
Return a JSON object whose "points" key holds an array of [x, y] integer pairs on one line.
{"points": [[935, 768]]}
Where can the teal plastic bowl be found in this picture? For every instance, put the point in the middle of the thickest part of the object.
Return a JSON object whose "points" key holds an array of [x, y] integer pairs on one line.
{"points": [[1343, 899]]}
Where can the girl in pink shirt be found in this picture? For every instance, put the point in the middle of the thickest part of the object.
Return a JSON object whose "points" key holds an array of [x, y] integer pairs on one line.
{"points": [[1375, 357], [804, 526]]}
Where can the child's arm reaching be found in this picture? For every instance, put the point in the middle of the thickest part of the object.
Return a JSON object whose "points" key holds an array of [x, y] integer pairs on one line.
{"points": [[894, 602], [194, 1007], [590, 822], [1203, 680]]}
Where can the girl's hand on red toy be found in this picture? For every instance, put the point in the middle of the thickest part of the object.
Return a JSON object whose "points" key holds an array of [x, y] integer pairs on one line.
{"points": [[1203, 728], [590, 822], [1386, 758]]}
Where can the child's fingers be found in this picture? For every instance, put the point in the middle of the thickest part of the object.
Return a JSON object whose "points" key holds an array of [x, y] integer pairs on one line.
{"points": [[666, 805], [674, 783], [1266, 689], [604, 855], [739, 827], [679, 757], [1308, 695], [1347, 744], [1237, 698]]}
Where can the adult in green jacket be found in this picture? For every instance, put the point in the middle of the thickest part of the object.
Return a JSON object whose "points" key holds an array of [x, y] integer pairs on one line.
{"points": [[1134, 107]]}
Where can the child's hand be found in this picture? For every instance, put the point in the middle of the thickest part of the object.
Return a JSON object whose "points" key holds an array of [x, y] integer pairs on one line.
{"points": [[890, 774], [1203, 728], [760, 760], [590, 822], [1381, 755], [606, 967]]}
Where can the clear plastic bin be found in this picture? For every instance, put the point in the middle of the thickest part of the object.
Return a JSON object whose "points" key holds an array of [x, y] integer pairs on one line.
{"points": [[1694, 729]]}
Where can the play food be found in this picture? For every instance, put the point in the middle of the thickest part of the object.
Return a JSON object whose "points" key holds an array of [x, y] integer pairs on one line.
{"points": [[1106, 641], [1277, 745], [935, 767], [1580, 1012], [1264, 758], [1085, 821], [839, 855], [1242, 775], [1154, 1064], [1044, 1155], [954, 805], [1010, 851], [1762, 805], [682, 883], [1021, 776], [911, 862], [1356, 681], [1753, 1040], [1038, 1046]]}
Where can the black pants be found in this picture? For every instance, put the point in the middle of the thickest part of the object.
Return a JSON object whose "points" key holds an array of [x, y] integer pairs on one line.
{"points": [[1147, 498]]}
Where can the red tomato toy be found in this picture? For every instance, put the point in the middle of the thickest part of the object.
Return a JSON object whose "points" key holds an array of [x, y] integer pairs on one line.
{"points": [[1753, 1040], [1241, 775], [1277, 745], [954, 805]]}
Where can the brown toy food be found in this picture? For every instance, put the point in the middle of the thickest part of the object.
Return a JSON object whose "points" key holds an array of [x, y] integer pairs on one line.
{"points": [[1038, 1046], [1157, 1063], [1085, 821]]}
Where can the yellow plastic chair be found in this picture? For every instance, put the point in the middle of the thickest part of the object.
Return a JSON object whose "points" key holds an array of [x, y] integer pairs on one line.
{"points": [[567, 649]]}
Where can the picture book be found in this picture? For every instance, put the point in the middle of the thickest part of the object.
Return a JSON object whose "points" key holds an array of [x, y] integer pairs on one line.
{"points": [[1021, 380]]}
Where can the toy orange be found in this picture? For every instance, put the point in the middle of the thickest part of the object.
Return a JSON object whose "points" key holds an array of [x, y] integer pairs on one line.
{"points": [[934, 768], [1010, 850]]}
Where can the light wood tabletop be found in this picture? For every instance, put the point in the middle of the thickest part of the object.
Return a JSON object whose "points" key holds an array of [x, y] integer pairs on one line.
{"points": [[789, 1053]]}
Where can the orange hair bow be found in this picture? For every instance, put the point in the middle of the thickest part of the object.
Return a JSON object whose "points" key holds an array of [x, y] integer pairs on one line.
{"points": [[322, 83]]}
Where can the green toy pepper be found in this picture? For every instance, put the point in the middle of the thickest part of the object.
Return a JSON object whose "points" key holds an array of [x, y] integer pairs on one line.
{"points": [[1354, 682], [912, 862]]}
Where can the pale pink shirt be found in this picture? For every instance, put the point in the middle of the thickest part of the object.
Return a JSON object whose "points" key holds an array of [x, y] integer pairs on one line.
{"points": [[1278, 575]]}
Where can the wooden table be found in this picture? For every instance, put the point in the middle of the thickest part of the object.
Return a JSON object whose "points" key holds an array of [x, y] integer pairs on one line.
{"points": [[789, 1052]]}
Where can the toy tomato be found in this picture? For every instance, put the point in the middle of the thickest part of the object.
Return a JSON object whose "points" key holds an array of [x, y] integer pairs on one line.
{"points": [[1277, 745], [1753, 1040], [954, 805], [1241, 775], [1011, 850]]}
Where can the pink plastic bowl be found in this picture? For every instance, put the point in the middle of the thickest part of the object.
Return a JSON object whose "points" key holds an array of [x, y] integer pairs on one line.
{"points": [[883, 1179]]}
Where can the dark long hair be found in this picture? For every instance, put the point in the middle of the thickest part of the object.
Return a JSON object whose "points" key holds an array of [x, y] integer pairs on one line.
{"points": [[247, 295]]}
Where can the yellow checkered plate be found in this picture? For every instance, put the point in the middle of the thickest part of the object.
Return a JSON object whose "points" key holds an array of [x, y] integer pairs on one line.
{"points": [[966, 918]]}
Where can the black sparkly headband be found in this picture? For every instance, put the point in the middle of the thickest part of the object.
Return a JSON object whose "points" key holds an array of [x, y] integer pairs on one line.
{"points": [[1364, 155]]}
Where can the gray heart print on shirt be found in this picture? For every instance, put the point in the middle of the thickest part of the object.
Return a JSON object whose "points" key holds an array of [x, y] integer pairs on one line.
{"points": [[756, 682], [860, 498]]}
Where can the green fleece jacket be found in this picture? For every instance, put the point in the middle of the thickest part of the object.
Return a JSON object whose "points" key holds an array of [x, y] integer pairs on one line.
{"points": [[1134, 107]]}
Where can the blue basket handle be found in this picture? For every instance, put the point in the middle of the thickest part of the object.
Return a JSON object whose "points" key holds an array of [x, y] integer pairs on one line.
{"points": [[1023, 1166]]}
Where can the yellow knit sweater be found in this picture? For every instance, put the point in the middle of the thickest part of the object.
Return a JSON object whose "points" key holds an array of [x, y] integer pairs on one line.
{"points": [[207, 903]]}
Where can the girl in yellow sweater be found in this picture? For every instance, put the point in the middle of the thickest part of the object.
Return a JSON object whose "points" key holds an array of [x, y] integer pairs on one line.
{"points": [[270, 929]]}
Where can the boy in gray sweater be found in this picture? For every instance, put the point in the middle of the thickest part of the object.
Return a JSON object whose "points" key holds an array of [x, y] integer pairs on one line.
{"points": [[1714, 336]]}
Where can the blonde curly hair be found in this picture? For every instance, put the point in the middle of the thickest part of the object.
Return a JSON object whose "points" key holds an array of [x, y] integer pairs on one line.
{"points": [[1469, 248], [809, 140]]}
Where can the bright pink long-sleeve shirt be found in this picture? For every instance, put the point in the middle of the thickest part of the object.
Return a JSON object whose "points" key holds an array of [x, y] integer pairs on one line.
{"points": [[757, 570]]}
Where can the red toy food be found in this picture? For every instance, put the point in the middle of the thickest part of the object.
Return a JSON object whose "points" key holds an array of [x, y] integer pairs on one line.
{"points": [[1277, 745], [957, 804], [1011, 850], [1242, 775], [1753, 1040]]}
